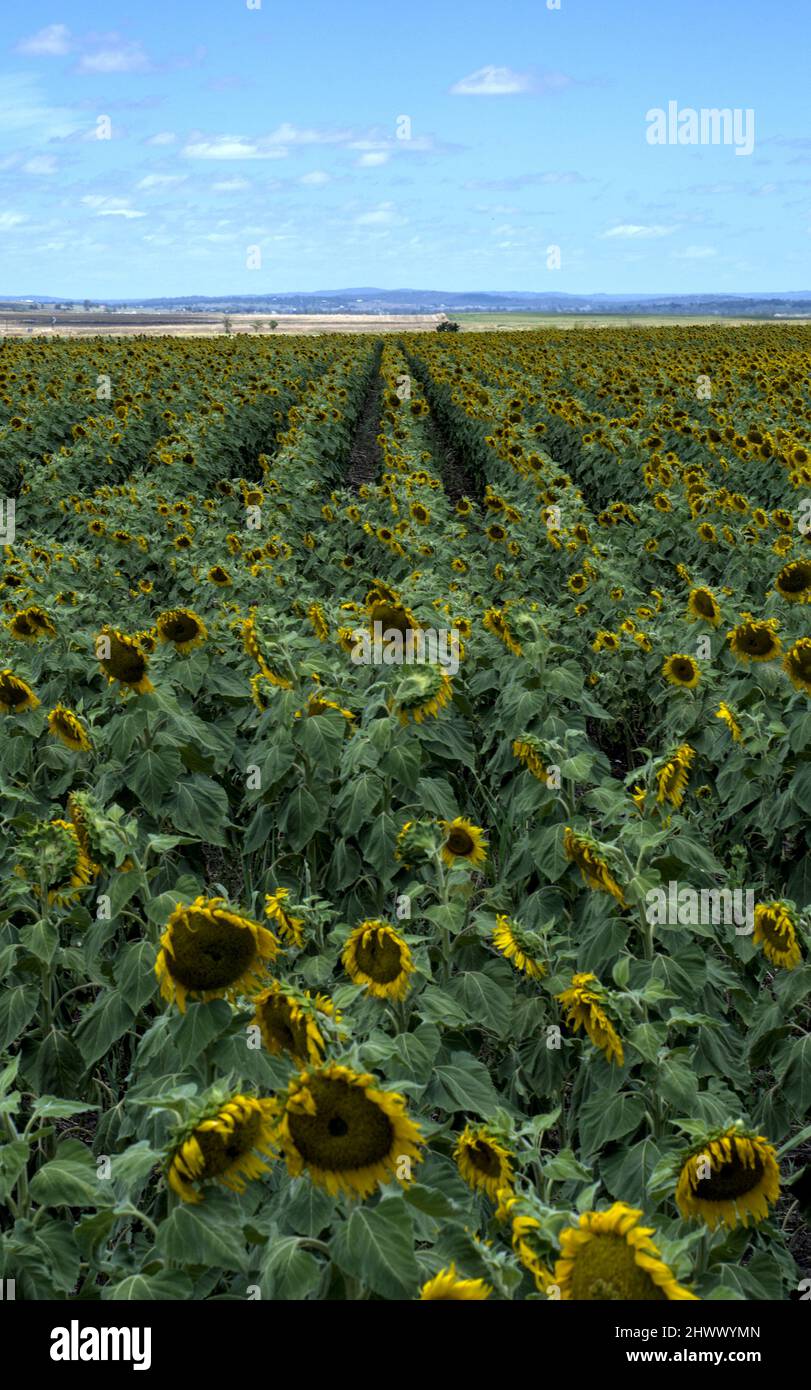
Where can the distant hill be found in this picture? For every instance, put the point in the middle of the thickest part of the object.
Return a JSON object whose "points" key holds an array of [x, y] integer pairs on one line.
{"points": [[406, 301]]}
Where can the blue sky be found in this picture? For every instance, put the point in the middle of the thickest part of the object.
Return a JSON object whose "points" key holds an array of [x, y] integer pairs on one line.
{"points": [[258, 149]]}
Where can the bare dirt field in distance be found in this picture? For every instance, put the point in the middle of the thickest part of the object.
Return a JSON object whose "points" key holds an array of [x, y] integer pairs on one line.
{"points": [[42, 323]]}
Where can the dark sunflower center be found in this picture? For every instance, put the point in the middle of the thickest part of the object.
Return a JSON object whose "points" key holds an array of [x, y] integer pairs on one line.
{"points": [[289, 1035], [757, 640], [705, 605], [734, 1179], [801, 662], [389, 616], [347, 1132], [795, 579], [605, 1270], [483, 1157], [221, 1150], [124, 663], [683, 669], [210, 954], [379, 957], [13, 694], [181, 629], [459, 842]]}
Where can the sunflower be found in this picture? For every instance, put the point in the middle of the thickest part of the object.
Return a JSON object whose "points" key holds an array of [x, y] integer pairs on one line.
{"points": [[318, 622], [495, 622], [724, 712], [681, 670], [583, 1003], [68, 728], [16, 695], [702, 604], [182, 627], [776, 932], [288, 1021], [348, 1135], [796, 664], [527, 749], [794, 582], [209, 952], [446, 1285], [610, 1256], [262, 690], [126, 663], [606, 641], [53, 858], [392, 616], [422, 694], [483, 1162], [755, 640], [463, 840], [376, 956], [290, 928], [511, 941], [731, 1177], [219, 575], [224, 1147], [585, 853], [29, 624], [672, 777], [316, 705]]}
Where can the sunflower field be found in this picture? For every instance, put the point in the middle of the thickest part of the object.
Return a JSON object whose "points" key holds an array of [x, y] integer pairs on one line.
{"points": [[405, 849]]}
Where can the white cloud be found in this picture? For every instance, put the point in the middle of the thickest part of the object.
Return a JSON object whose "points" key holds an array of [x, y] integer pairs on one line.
{"points": [[492, 82], [695, 253], [230, 185], [8, 220], [163, 137], [373, 159], [230, 147], [41, 164], [315, 177], [127, 56], [23, 108], [103, 206], [287, 134], [634, 231], [160, 180], [51, 42], [382, 215]]}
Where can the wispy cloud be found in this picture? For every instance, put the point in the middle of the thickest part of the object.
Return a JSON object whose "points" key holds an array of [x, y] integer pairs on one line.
{"points": [[695, 253], [491, 81], [231, 147], [24, 110], [160, 180], [104, 206], [383, 215], [41, 164], [636, 231], [51, 42], [116, 55], [547, 178]]}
